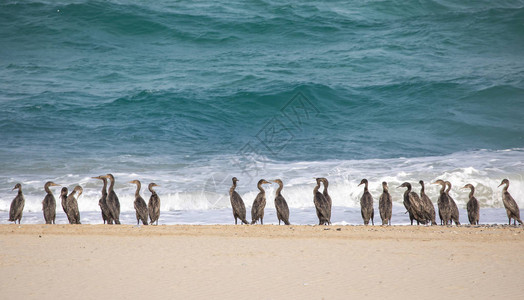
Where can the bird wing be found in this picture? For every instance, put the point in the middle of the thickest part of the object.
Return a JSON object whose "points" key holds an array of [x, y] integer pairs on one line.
{"points": [[12, 209], [510, 204], [141, 208]]}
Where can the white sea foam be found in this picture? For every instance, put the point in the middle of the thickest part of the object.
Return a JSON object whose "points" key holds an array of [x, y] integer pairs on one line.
{"points": [[205, 186]]}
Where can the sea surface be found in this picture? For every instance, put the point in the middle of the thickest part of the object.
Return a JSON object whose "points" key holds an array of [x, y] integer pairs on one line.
{"points": [[189, 94]]}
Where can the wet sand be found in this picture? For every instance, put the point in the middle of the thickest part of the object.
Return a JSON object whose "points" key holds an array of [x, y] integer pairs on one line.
{"points": [[260, 262]]}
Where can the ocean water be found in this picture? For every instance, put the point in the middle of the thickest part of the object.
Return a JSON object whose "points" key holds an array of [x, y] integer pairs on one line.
{"points": [[188, 95]]}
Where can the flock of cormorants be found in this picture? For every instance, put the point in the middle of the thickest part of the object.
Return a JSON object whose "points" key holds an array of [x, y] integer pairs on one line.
{"points": [[420, 208]]}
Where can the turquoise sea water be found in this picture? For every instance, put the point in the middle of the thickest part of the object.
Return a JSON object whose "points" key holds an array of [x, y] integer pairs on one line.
{"points": [[189, 94]]}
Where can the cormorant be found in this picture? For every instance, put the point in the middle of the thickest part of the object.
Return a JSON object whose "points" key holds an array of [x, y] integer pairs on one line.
{"points": [[63, 197], [512, 209], [140, 205], [328, 198], [106, 215], [239, 209], [153, 205], [443, 203], [453, 205], [472, 206], [366, 204], [413, 205], [73, 214], [321, 204], [281, 204], [17, 206], [429, 209], [385, 205], [257, 210], [112, 200], [49, 204]]}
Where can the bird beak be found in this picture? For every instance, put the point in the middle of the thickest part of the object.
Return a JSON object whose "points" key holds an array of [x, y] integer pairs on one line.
{"points": [[130, 182], [434, 183], [500, 185], [54, 184], [98, 177], [359, 184], [15, 188], [399, 186]]}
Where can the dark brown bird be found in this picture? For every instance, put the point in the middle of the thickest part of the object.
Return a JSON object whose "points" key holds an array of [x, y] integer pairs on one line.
{"points": [[385, 205], [239, 208], [472, 206], [444, 206], [102, 202], [429, 209], [113, 204], [321, 204], [453, 205], [512, 209], [63, 198], [73, 214], [328, 198], [281, 204], [413, 204], [49, 204], [366, 204], [140, 205], [257, 210], [17, 205], [154, 205]]}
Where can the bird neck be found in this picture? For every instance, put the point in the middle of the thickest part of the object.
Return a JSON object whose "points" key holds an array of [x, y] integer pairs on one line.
{"points": [[260, 188], [325, 192], [366, 187], [471, 192], [422, 189], [279, 189], [47, 190], [233, 187], [443, 187], [138, 186], [111, 185], [104, 188], [504, 189], [151, 190], [315, 190]]}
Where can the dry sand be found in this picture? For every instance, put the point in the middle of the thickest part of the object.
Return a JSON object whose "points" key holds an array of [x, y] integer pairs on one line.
{"points": [[260, 262]]}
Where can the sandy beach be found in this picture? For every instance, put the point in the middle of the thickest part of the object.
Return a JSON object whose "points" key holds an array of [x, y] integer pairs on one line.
{"points": [[260, 262]]}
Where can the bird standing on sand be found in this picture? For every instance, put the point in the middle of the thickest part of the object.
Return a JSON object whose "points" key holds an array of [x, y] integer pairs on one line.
{"points": [[73, 214], [472, 206], [239, 209], [413, 205], [102, 202], [281, 204], [257, 210], [140, 205], [512, 209], [385, 205], [153, 205], [328, 198], [113, 204], [49, 204], [444, 207], [321, 204], [17, 205], [366, 204], [429, 209], [453, 205]]}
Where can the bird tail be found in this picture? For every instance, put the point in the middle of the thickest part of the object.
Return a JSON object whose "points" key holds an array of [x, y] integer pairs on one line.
{"points": [[286, 222], [245, 221]]}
